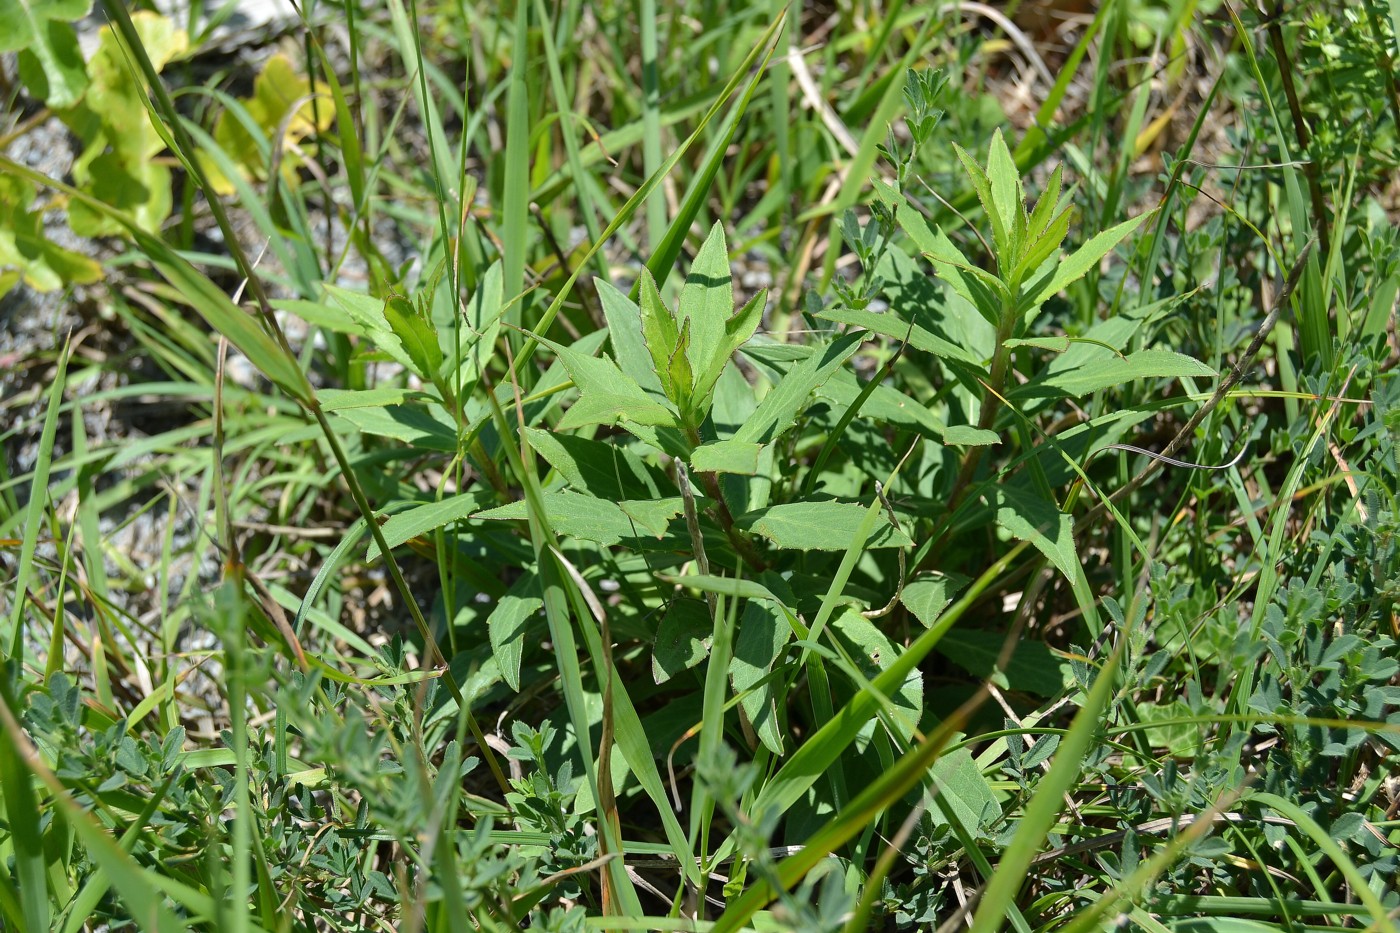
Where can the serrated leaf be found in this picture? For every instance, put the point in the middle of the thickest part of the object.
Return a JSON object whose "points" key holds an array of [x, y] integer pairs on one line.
{"points": [[421, 519], [818, 526], [1107, 370], [1078, 264], [682, 639], [1031, 518], [969, 436], [875, 652], [659, 335], [603, 470], [927, 596], [416, 335], [418, 426], [1033, 668], [591, 519], [982, 185], [508, 623], [1008, 198], [707, 301], [625, 331], [679, 377], [607, 395], [731, 456], [779, 409], [737, 331]]}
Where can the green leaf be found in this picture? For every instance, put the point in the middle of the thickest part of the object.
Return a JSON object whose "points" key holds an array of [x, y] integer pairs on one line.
{"points": [[341, 399], [886, 324], [1031, 518], [739, 457], [367, 312], [603, 470], [967, 435], [416, 335], [1105, 370], [707, 301], [660, 336], [607, 396], [818, 526], [50, 61], [118, 163], [682, 639], [874, 652], [926, 596], [779, 409], [1001, 232], [591, 519], [1032, 667], [737, 331], [763, 636], [1079, 263], [625, 329], [1008, 197], [507, 626], [422, 519], [653, 515], [42, 263], [422, 426], [963, 788]]}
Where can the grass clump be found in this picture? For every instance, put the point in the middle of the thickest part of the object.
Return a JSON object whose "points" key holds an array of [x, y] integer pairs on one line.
{"points": [[611, 467]]}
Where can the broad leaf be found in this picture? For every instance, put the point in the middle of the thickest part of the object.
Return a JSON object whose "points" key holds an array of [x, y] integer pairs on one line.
{"points": [[707, 300], [763, 636], [625, 329], [603, 470], [50, 61], [779, 409], [608, 396], [424, 518], [1031, 518], [416, 335], [682, 639], [875, 652], [596, 520], [818, 526], [1032, 667], [727, 457], [508, 623], [1105, 370], [422, 426], [1078, 264], [42, 263]]}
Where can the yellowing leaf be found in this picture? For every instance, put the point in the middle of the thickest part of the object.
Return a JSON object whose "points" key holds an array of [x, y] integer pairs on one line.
{"points": [[118, 164], [281, 108], [41, 263]]}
